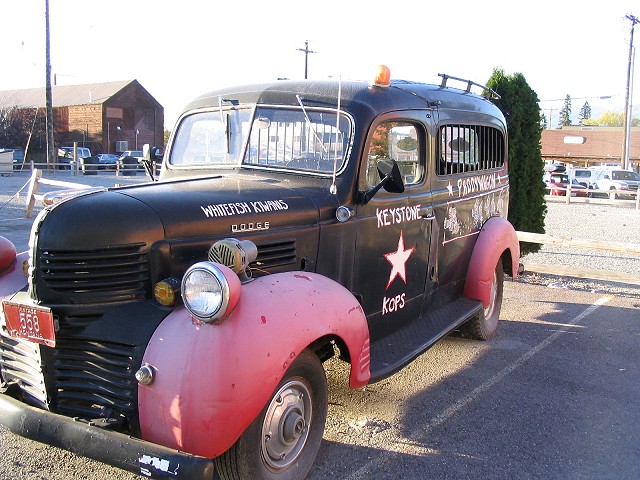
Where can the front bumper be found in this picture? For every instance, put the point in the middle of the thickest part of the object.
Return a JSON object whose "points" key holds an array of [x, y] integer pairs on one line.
{"points": [[112, 448]]}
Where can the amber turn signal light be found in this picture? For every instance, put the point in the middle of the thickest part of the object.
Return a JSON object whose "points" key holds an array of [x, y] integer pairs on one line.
{"points": [[167, 291]]}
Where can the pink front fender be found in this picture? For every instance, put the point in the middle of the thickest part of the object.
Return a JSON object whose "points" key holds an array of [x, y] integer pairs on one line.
{"points": [[12, 277], [496, 236], [212, 381]]}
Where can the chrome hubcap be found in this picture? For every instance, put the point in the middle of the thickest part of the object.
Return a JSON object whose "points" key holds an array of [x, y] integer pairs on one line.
{"points": [[286, 425]]}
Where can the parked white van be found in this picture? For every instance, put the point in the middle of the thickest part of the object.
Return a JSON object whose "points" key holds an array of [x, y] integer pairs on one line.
{"points": [[584, 176]]}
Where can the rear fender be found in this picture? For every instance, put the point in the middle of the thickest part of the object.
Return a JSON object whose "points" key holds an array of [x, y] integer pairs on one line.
{"points": [[12, 278], [212, 381], [496, 237]]}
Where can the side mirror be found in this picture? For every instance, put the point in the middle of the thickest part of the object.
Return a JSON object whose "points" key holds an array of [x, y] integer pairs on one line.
{"points": [[149, 155], [157, 153], [152, 153], [390, 176], [390, 179]]}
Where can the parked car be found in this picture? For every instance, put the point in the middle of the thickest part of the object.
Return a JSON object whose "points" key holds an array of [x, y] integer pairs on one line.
{"points": [[107, 160], [557, 184], [619, 183], [555, 167], [65, 156], [18, 156], [131, 153], [130, 161]]}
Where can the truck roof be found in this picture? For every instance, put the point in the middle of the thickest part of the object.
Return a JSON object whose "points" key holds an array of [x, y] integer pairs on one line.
{"points": [[401, 94]]}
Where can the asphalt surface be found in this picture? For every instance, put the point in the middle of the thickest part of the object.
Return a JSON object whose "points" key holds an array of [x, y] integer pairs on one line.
{"points": [[556, 395]]}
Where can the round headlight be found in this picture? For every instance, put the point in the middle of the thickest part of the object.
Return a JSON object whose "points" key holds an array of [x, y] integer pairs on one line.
{"points": [[210, 291]]}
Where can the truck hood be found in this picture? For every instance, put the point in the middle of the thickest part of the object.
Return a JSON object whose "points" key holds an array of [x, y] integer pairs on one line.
{"points": [[228, 206], [207, 207]]}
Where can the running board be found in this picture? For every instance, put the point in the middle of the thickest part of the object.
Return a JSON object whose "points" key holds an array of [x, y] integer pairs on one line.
{"points": [[391, 353]]}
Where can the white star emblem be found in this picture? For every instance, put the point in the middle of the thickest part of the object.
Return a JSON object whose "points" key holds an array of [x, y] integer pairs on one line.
{"points": [[450, 188], [398, 261]]}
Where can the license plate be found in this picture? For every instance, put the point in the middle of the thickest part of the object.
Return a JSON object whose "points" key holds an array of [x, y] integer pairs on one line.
{"points": [[31, 322]]}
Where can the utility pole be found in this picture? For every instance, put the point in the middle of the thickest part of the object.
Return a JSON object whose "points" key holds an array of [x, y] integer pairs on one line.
{"points": [[627, 99], [49, 102], [306, 56]]}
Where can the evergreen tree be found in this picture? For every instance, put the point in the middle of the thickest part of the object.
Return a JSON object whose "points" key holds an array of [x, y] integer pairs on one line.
{"points": [[543, 121], [565, 113], [585, 113], [519, 104]]}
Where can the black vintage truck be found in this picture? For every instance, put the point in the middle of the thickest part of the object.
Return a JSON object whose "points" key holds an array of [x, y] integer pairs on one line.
{"points": [[180, 326]]}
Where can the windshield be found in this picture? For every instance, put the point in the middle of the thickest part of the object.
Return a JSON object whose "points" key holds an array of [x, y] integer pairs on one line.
{"points": [[277, 138], [298, 139], [211, 138]]}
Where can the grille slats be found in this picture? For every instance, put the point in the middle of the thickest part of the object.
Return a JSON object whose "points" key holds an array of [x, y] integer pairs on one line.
{"points": [[121, 269], [94, 376], [20, 363], [79, 285], [275, 254]]}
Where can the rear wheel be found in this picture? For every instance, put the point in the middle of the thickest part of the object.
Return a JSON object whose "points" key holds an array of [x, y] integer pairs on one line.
{"points": [[283, 441], [485, 326]]}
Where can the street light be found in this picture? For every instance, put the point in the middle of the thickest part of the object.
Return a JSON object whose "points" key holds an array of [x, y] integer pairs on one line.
{"points": [[137, 133]]}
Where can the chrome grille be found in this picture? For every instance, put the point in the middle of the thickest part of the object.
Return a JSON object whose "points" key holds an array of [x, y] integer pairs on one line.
{"points": [[20, 364]]}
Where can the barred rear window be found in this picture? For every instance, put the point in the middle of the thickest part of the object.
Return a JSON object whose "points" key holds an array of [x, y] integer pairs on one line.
{"points": [[469, 148]]}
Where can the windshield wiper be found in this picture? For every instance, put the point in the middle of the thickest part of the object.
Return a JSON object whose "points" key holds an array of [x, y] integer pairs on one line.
{"points": [[313, 129], [225, 122]]}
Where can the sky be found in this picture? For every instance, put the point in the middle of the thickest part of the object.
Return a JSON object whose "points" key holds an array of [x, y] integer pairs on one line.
{"points": [[178, 50]]}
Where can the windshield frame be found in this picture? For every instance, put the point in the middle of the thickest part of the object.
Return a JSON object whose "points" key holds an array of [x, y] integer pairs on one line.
{"points": [[242, 155]]}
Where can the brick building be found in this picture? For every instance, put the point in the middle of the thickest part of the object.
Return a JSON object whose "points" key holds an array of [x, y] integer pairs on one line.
{"points": [[108, 117], [585, 146]]}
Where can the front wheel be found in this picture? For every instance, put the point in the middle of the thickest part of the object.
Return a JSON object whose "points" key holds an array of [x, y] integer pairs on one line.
{"points": [[485, 326], [282, 443]]}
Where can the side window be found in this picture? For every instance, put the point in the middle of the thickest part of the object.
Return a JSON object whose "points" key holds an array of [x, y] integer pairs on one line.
{"points": [[468, 148], [402, 142]]}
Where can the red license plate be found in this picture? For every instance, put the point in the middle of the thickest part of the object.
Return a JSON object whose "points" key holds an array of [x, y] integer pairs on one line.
{"points": [[30, 322]]}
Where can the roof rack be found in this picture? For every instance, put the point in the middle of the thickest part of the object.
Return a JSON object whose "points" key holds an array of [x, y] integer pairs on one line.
{"points": [[469, 83]]}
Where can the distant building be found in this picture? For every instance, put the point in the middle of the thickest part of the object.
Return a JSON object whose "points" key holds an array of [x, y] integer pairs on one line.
{"points": [[585, 146], [108, 117]]}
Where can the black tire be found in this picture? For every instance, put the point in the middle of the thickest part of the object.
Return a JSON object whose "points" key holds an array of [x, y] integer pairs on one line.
{"points": [[282, 443], [485, 326]]}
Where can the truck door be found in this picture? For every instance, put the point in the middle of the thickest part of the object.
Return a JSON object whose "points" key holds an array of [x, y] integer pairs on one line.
{"points": [[394, 229]]}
